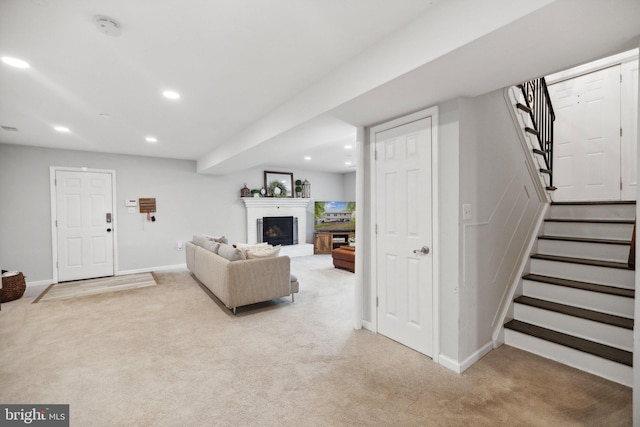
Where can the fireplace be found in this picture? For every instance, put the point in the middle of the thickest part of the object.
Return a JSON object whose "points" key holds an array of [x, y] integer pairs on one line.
{"points": [[278, 230]]}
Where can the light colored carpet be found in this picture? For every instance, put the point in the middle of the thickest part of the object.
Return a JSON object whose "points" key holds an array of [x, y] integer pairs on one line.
{"points": [[169, 355], [80, 288]]}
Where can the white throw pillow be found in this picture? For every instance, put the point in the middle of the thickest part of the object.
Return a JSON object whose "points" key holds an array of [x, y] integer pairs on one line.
{"points": [[244, 247], [265, 252]]}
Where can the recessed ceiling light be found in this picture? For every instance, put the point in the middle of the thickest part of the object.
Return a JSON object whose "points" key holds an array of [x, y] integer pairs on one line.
{"points": [[15, 62], [151, 139], [170, 94], [63, 129], [347, 163], [347, 147], [307, 157]]}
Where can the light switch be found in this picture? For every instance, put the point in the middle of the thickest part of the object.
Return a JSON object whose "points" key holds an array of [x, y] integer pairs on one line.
{"points": [[466, 212]]}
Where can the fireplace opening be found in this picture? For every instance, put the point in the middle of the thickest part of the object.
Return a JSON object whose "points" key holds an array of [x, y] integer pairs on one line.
{"points": [[278, 230]]}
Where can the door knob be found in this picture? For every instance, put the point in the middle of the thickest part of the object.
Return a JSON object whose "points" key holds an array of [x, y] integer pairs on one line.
{"points": [[424, 250], [108, 230]]}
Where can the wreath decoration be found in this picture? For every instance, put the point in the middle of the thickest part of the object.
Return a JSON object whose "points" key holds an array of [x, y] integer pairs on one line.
{"points": [[271, 191]]}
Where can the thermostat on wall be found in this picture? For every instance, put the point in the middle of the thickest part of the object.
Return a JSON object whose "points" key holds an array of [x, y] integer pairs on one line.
{"points": [[131, 202]]}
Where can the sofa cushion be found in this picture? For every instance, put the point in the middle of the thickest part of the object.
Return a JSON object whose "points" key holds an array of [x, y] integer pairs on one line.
{"points": [[212, 246], [263, 252], [231, 253]]}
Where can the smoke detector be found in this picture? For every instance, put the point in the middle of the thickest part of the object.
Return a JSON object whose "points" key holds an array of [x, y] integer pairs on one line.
{"points": [[108, 26]]}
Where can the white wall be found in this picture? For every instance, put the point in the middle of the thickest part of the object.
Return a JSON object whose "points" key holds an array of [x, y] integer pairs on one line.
{"points": [[188, 203], [349, 186], [496, 183]]}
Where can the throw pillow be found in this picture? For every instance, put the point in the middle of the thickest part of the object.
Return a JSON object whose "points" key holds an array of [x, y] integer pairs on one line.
{"points": [[268, 252], [219, 239], [200, 240], [212, 246], [231, 253], [244, 247]]}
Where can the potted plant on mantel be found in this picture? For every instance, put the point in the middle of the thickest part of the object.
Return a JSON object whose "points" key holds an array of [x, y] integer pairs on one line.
{"points": [[255, 192], [298, 188]]}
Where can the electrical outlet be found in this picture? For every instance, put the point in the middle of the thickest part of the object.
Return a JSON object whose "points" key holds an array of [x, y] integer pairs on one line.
{"points": [[179, 246], [466, 212]]}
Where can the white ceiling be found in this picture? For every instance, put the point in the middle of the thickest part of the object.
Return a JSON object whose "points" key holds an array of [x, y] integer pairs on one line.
{"points": [[269, 82]]}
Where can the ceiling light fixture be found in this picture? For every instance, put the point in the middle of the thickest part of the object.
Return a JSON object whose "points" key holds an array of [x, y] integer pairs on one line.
{"points": [[347, 147], [170, 94], [151, 139], [62, 129], [307, 157], [347, 163], [15, 62]]}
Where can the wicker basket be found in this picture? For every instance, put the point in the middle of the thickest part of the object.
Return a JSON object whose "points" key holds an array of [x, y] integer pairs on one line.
{"points": [[12, 288]]}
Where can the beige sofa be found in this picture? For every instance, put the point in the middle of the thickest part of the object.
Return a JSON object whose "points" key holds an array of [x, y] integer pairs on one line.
{"points": [[236, 281]]}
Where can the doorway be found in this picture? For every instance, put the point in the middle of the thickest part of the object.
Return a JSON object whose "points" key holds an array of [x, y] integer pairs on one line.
{"points": [[83, 223], [405, 220], [595, 144]]}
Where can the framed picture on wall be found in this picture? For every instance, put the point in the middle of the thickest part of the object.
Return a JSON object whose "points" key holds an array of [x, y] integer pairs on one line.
{"points": [[278, 184]]}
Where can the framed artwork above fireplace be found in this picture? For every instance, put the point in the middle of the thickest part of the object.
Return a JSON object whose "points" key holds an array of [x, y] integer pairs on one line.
{"points": [[278, 184]]}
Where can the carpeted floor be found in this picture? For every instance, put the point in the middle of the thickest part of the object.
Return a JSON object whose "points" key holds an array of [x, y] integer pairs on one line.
{"points": [[170, 355]]}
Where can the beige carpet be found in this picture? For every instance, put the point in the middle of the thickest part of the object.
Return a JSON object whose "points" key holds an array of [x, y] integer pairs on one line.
{"points": [[169, 355], [80, 288]]}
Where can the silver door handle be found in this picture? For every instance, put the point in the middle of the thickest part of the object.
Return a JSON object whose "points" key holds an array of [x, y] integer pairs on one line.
{"points": [[424, 250]]}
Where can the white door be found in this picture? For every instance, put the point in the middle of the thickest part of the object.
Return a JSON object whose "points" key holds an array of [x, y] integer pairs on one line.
{"points": [[84, 203], [586, 157], [404, 222], [629, 126]]}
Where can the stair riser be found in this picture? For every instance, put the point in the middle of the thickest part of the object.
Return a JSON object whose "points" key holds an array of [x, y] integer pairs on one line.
{"points": [[584, 273], [614, 211], [589, 230], [613, 371], [600, 251], [593, 331], [604, 303]]}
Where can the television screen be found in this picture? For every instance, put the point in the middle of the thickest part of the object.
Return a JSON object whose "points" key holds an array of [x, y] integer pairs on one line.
{"points": [[335, 216]]}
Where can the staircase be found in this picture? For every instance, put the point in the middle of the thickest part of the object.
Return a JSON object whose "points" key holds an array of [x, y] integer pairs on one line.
{"points": [[576, 304]]}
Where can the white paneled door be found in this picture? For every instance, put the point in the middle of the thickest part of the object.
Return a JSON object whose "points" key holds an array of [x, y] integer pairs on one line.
{"points": [[404, 239], [84, 206], [587, 150]]}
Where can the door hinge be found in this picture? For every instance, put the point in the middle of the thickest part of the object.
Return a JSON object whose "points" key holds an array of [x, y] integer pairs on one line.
{"points": [[56, 223], [375, 154], [376, 301], [376, 231], [620, 131]]}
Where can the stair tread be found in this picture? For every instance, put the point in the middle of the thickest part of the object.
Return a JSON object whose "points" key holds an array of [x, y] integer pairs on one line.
{"points": [[595, 221], [584, 261], [611, 202], [583, 313], [586, 240], [606, 352], [523, 107], [593, 287]]}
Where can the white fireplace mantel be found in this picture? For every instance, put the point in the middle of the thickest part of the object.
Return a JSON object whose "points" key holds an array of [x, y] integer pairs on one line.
{"points": [[259, 207]]}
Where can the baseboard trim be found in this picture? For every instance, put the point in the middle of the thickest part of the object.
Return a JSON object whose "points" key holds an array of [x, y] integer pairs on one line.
{"points": [[458, 367], [39, 283], [367, 325]]}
